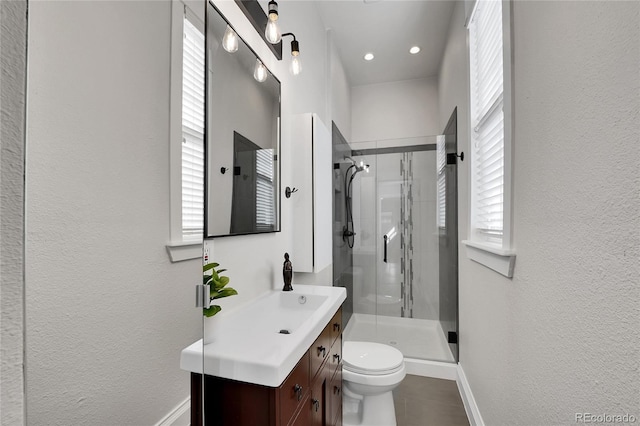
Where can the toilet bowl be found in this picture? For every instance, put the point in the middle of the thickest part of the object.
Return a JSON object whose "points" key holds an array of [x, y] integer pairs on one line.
{"points": [[370, 372]]}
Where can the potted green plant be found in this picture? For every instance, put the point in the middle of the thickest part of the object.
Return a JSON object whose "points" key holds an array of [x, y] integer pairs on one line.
{"points": [[217, 287]]}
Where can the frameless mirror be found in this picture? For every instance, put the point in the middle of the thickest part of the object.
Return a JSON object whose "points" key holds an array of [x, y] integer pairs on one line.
{"points": [[242, 167]]}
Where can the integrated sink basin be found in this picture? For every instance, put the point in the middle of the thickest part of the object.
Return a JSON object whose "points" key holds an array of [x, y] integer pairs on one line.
{"points": [[262, 341]]}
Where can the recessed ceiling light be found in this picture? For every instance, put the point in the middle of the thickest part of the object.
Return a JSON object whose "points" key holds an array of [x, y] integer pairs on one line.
{"points": [[414, 50], [368, 57]]}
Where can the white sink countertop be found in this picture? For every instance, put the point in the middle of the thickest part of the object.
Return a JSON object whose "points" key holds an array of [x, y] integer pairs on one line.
{"points": [[247, 344]]}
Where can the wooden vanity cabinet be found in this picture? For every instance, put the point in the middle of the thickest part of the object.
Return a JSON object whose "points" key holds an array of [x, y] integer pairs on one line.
{"points": [[310, 396]]}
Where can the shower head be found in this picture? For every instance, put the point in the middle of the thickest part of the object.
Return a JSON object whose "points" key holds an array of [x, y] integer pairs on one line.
{"points": [[358, 166]]}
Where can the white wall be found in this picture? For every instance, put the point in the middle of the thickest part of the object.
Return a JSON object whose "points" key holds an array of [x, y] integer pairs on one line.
{"points": [[13, 44], [107, 314], [400, 109], [340, 91], [562, 336]]}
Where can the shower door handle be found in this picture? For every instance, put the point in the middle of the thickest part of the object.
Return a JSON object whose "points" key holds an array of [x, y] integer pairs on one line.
{"points": [[386, 239]]}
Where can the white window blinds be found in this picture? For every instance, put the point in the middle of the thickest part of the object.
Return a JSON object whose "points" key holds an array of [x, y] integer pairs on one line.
{"points": [[192, 132], [265, 199], [487, 121]]}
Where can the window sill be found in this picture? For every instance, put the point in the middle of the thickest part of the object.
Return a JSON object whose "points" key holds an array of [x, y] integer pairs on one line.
{"points": [[185, 250], [501, 261]]}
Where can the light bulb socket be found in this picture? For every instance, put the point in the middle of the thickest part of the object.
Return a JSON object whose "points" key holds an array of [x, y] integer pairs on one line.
{"points": [[295, 47], [273, 10]]}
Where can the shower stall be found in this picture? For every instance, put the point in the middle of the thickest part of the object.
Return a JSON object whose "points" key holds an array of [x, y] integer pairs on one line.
{"points": [[395, 242]]}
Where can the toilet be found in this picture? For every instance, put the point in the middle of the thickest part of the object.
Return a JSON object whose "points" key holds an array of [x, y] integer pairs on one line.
{"points": [[370, 371]]}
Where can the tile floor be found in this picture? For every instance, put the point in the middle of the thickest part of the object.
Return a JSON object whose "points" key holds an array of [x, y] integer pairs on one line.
{"points": [[424, 401]]}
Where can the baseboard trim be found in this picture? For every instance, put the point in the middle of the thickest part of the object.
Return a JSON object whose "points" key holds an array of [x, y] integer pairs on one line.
{"points": [[178, 416], [470, 406], [436, 369]]}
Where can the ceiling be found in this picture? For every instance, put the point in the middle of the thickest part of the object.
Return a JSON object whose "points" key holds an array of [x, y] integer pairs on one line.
{"points": [[388, 28]]}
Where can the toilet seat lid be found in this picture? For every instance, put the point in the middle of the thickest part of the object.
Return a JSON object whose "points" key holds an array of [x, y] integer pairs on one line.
{"points": [[371, 358]]}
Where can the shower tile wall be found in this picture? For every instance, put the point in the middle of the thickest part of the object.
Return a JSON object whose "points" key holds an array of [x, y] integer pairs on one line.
{"points": [[342, 254]]}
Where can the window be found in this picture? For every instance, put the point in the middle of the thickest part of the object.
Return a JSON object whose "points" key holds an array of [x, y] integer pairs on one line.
{"points": [[490, 113], [186, 145], [192, 132], [265, 209]]}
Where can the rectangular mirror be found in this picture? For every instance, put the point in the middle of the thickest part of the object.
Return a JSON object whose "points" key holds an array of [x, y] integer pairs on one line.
{"points": [[242, 150]]}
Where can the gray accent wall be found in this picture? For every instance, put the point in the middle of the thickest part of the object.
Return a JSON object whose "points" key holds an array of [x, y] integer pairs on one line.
{"points": [[342, 254]]}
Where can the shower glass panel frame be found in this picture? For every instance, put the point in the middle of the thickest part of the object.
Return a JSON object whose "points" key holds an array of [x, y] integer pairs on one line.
{"points": [[396, 255]]}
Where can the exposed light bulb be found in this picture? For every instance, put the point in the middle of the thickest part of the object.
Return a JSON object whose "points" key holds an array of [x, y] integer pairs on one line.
{"points": [[414, 50], [230, 40], [368, 57], [296, 65], [260, 71], [272, 32]]}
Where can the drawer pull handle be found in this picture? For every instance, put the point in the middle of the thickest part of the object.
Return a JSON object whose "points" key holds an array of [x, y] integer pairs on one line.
{"points": [[322, 349], [298, 391], [336, 357], [336, 327], [316, 404], [336, 390]]}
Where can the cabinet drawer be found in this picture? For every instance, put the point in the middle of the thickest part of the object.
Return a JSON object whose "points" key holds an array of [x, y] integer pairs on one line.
{"points": [[335, 356], [336, 325], [320, 349], [334, 395], [294, 389]]}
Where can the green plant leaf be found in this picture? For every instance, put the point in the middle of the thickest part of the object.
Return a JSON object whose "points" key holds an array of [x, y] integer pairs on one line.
{"points": [[206, 279], [209, 312], [210, 266], [225, 292], [218, 284], [219, 271]]}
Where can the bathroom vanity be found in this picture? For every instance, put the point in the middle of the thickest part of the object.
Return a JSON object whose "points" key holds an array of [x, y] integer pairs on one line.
{"points": [[311, 395], [276, 361]]}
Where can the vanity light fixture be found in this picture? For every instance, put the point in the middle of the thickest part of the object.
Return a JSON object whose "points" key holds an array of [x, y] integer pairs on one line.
{"points": [[260, 71], [414, 50], [296, 65], [368, 57], [230, 40], [273, 36], [272, 31]]}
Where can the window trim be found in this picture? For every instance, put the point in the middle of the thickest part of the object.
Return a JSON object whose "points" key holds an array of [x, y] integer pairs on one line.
{"points": [[179, 248], [500, 259]]}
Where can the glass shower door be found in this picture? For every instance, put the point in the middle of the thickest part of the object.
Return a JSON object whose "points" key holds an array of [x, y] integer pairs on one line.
{"points": [[390, 290]]}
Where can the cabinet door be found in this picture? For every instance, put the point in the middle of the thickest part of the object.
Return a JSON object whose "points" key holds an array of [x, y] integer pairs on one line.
{"points": [[318, 402], [311, 204], [304, 415], [294, 389], [336, 325], [335, 355], [334, 397], [319, 351]]}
